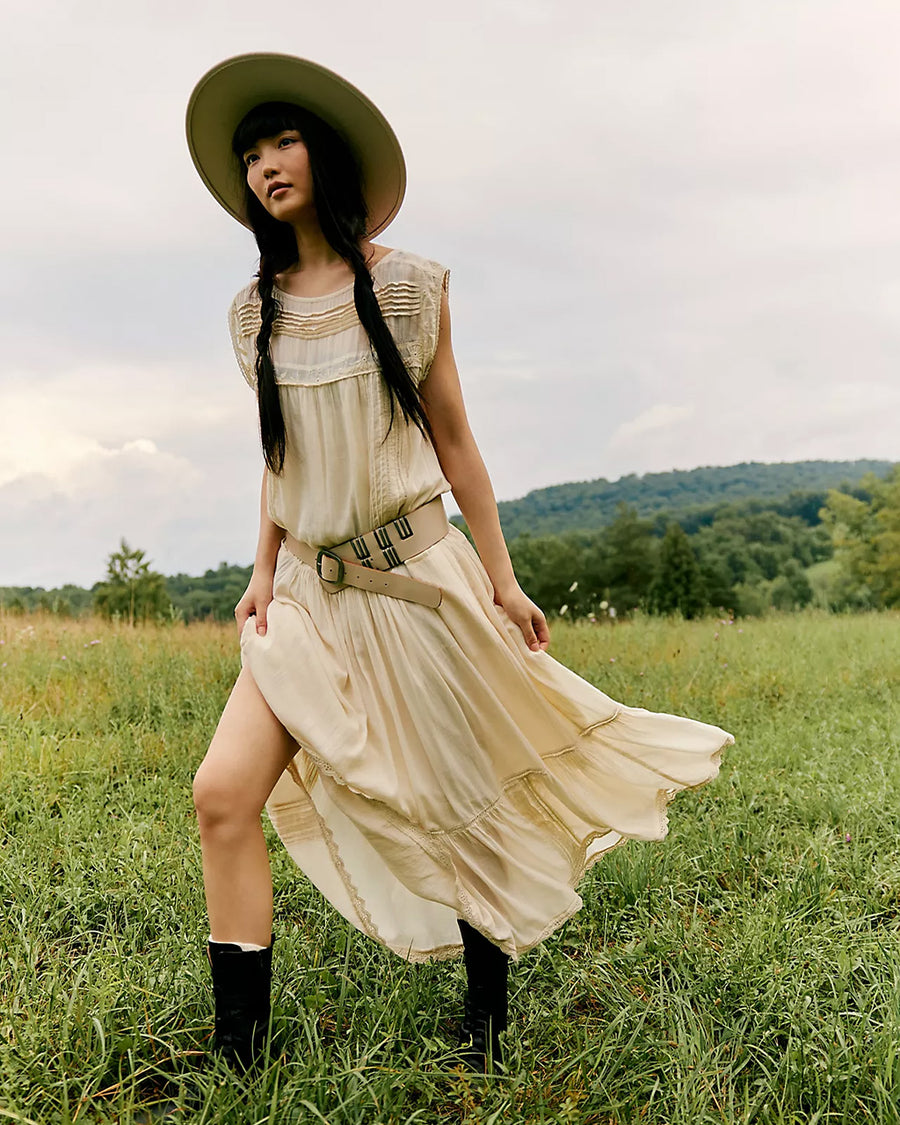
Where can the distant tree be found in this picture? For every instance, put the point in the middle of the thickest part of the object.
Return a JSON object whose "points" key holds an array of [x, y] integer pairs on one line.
{"points": [[51, 602], [678, 585], [866, 536], [717, 580], [791, 589], [546, 567], [631, 551], [751, 599], [131, 590]]}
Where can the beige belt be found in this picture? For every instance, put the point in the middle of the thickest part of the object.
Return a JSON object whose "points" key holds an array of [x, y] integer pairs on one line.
{"points": [[365, 562]]}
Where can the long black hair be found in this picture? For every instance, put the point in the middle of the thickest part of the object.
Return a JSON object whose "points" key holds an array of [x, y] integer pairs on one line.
{"points": [[342, 215]]}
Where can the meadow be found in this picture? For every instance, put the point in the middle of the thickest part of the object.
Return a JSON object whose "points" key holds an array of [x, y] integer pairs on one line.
{"points": [[744, 970]]}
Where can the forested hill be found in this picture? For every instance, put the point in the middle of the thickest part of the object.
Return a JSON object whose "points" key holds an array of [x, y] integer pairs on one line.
{"points": [[591, 504], [743, 538]]}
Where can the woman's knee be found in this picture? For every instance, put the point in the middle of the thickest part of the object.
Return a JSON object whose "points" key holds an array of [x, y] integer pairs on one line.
{"points": [[220, 803]]}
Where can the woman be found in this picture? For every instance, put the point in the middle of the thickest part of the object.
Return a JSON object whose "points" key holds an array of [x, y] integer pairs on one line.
{"points": [[441, 779]]}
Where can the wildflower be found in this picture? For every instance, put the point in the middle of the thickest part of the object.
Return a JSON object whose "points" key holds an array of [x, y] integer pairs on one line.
{"points": [[724, 665], [715, 636], [847, 838], [65, 658], [612, 660], [604, 605], [93, 643], [563, 609], [612, 611], [574, 586], [740, 630]]}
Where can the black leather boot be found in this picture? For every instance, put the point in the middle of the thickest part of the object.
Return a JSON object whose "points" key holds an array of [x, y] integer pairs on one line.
{"points": [[486, 1011], [242, 983]]}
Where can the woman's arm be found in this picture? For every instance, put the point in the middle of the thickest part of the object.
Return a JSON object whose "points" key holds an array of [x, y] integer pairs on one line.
{"points": [[462, 465], [259, 590]]}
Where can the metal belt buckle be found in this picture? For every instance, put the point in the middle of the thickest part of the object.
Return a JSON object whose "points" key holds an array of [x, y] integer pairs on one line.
{"points": [[335, 558]]}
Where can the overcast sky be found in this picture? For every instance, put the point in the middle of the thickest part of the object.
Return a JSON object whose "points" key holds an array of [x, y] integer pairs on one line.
{"points": [[673, 231]]}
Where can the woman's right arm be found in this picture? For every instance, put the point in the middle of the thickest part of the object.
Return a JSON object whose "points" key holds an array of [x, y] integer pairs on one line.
{"points": [[259, 590]]}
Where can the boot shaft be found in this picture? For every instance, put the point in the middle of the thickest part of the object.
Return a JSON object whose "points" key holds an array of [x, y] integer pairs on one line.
{"points": [[487, 974], [242, 982]]}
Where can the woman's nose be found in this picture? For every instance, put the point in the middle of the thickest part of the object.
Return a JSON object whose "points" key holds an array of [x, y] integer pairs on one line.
{"points": [[268, 161]]}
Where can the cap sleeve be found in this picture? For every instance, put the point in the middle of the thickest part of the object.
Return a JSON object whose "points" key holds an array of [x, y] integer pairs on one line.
{"points": [[437, 282], [242, 315]]}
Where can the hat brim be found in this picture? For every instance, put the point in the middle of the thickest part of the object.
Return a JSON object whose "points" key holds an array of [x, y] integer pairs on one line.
{"points": [[227, 92]]}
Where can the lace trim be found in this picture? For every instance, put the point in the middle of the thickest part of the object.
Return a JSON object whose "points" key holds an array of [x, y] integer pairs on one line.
{"points": [[579, 860], [338, 370], [397, 298]]}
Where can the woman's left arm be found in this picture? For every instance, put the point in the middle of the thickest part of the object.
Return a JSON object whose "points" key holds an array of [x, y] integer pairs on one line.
{"points": [[462, 465]]}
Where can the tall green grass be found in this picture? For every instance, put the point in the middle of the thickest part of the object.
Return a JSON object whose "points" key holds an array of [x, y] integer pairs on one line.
{"points": [[745, 970]]}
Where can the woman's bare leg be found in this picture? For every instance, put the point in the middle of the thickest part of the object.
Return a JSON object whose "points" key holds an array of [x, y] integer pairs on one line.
{"points": [[247, 755]]}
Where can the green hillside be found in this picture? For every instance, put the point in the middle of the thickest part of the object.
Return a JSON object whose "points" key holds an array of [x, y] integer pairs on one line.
{"points": [[747, 535], [583, 505]]}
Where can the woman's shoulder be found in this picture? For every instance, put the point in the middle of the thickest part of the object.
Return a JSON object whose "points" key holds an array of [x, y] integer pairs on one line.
{"points": [[404, 265], [246, 296], [243, 312]]}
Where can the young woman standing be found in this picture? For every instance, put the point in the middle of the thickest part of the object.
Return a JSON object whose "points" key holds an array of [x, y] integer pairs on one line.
{"points": [[438, 776]]}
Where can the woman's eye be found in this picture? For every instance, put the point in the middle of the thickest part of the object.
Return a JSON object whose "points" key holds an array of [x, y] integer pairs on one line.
{"points": [[287, 140], [248, 160]]}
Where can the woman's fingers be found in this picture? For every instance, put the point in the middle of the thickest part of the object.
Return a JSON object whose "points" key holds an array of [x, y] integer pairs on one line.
{"points": [[528, 633], [241, 613], [534, 629], [542, 630]]}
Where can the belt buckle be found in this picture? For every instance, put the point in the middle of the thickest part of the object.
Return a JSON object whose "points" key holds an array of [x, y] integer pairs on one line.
{"points": [[335, 558]]}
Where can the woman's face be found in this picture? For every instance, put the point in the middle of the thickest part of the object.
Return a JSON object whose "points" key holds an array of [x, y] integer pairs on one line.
{"points": [[279, 175]]}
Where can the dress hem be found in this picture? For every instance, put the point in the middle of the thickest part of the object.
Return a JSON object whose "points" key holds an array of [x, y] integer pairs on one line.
{"points": [[426, 840]]}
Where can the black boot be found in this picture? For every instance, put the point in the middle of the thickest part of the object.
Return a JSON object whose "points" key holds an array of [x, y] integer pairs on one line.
{"points": [[486, 999], [241, 985]]}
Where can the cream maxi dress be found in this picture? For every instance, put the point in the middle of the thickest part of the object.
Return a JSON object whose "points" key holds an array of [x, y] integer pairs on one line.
{"points": [[443, 769]]}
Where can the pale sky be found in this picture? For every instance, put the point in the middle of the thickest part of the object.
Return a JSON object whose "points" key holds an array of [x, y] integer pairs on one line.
{"points": [[673, 233]]}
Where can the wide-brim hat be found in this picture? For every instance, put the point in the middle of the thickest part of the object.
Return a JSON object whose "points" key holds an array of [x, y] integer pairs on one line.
{"points": [[227, 92]]}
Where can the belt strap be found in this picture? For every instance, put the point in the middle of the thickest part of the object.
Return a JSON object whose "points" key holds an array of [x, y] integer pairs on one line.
{"points": [[365, 561]]}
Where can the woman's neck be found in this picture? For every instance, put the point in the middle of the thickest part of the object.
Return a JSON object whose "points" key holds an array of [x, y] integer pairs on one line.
{"points": [[314, 253]]}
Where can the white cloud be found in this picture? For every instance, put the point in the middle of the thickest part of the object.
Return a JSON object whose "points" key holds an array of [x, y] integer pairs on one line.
{"points": [[165, 456], [648, 209], [662, 416], [53, 424]]}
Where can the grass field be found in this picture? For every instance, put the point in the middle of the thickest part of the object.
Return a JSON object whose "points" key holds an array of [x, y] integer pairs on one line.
{"points": [[745, 970]]}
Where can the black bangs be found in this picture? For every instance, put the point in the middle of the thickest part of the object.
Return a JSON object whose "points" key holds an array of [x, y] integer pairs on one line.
{"points": [[266, 120]]}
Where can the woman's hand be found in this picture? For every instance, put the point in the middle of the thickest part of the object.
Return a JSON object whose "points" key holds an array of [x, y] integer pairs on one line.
{"points": [[255, 601], [530, 619]]}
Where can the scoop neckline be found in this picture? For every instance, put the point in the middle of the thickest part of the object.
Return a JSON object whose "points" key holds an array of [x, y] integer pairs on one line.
{"points": [[334, 292]]}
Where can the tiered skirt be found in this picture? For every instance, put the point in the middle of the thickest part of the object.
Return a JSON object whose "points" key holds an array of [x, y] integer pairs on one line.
{"points": [[446, 771]]}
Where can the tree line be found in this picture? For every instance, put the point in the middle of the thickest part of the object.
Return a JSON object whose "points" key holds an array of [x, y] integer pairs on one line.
{"points": [[839, 549], [740, 561]]}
